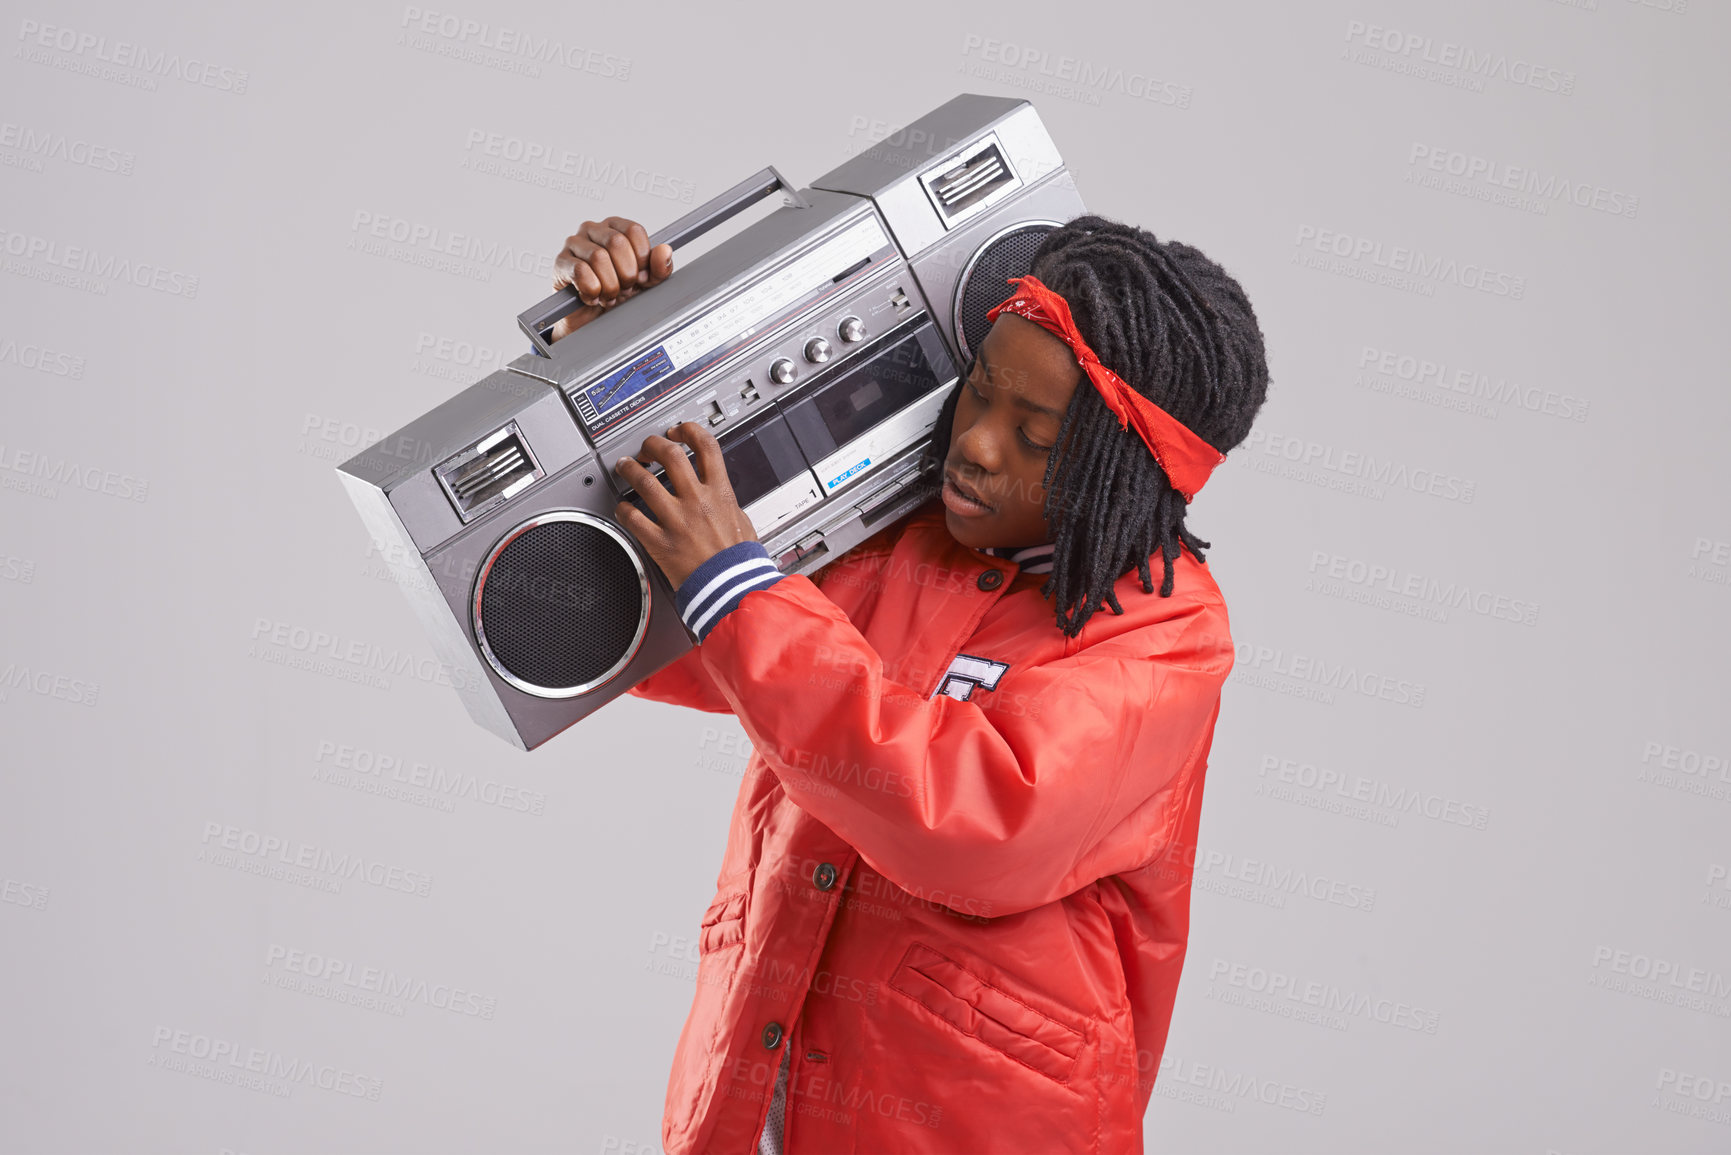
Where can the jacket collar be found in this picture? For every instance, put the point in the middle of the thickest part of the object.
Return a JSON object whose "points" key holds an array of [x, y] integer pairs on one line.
{"points": [[1194, 580], [1031, 559]]}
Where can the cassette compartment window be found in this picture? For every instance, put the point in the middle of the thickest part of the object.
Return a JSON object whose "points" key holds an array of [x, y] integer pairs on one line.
{"points": [[851, 405]]}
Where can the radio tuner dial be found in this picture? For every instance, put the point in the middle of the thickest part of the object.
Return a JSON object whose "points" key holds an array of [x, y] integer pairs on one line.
{"points": [[851, 329], [817, 350], [782, 370]]}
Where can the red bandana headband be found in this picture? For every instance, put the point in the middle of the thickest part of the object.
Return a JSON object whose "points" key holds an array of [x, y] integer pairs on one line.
{"points": [[1186, 458]]}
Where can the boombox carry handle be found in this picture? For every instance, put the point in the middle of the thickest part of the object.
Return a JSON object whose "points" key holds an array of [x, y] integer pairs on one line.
{"points": [[538, 322]]}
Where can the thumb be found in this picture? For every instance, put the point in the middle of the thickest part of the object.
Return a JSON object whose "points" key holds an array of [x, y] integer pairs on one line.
{"points": [[575, 320]]}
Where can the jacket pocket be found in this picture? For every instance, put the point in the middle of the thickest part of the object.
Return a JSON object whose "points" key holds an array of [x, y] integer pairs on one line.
{"points": [[988, 1012], [723, 923]]}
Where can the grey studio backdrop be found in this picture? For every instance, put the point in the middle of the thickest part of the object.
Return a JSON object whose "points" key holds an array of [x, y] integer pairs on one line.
{"points": [[1463, 877]]}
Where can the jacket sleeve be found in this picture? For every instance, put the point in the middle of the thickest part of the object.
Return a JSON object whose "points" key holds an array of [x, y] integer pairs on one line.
{"points": [[684, 682], [713, 590], [988, 806]]}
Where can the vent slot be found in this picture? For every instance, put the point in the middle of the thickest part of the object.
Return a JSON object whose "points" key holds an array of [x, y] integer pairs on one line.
{"points": [[971, 182], [492, 471]]}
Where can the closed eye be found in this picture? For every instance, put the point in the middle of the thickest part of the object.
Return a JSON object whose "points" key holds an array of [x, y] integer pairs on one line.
{"points": [[1019, 433]]}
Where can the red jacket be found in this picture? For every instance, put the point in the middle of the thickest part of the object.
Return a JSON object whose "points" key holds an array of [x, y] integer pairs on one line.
{"points": [[964, 917]]}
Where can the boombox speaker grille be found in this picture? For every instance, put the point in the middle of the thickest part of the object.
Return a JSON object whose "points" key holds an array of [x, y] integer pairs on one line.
{"points": [[982, 285], [561, 604]]}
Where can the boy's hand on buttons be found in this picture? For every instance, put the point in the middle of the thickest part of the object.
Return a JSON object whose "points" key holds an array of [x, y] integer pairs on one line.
{"points": [[701, 520]]}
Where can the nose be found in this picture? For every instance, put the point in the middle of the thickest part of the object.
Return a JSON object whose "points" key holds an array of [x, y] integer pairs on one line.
{"points": [[978, 446]]}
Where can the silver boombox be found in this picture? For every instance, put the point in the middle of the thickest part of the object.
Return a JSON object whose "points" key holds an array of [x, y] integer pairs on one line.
{"points": [[818, 344]]}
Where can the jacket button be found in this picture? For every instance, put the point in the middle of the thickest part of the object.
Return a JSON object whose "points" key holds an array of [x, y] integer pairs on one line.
{"points": [[991, 579], [824, 876], [772, 1036]]}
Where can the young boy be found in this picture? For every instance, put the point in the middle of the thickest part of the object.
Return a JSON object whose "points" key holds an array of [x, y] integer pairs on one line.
{"points": [[954, 903]]}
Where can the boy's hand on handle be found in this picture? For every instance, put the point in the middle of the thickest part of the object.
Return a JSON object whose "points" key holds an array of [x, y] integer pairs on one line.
{"points": [[607, 261], [703, 519]]}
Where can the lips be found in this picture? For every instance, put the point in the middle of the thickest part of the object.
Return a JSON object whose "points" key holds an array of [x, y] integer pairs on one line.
{"points": [[965, 491]]}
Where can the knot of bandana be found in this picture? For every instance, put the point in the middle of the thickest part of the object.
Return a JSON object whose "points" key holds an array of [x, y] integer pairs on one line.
{"points": [[1186, 458]]}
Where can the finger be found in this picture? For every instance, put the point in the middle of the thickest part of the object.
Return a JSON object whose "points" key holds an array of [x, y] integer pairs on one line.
{"points": [[661, 504], [595, 232], [574, 320], [642, 527], [568, 256], [660, 263], [565, 265], [671, 455], [624, 258], [602, 234], [639, 238], [571, 267], [638, 235], [605, 275], [711, 466]]}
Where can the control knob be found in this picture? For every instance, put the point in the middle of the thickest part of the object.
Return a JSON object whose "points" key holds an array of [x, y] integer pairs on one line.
{"points": [[782, 370], [817, 350], [851, 329]]}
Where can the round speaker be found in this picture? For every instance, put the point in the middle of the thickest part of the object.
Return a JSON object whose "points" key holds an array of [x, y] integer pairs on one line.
{"points": [[561, 604], [1008, 253]]}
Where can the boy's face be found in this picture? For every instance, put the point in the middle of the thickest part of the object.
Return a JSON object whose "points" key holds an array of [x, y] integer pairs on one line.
{"points": [[1005, 430]]}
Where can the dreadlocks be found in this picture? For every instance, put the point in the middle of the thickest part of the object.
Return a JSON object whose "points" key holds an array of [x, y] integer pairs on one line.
{"points": [[1179, 330]]}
